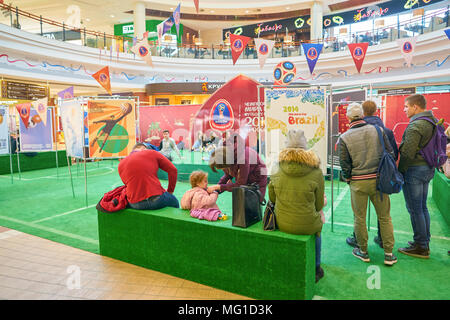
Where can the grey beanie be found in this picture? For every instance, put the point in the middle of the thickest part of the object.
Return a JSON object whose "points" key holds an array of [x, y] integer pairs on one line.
{"points": [[296, 139]]}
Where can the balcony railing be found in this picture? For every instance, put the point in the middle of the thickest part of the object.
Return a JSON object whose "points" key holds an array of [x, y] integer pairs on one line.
{"points": [[114, 45]]}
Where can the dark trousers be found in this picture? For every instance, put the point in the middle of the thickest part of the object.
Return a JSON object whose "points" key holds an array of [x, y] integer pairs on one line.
{"points": [[156, 202]]}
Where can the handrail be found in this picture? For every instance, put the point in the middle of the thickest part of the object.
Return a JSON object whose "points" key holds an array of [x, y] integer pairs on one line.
{"points": [[291, 45]]}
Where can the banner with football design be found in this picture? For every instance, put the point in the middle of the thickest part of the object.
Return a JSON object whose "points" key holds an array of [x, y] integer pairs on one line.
{"points": [[24, 112], [142, 50], [72, 125], [407, 47], [312, 53], [237, 44], [358, 52], [112, 128], [102, 77], [36, 136], [40, 106], [264, 48]]}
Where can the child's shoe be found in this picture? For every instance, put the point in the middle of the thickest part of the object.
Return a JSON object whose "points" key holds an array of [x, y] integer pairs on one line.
{"points": [[223, 217]]}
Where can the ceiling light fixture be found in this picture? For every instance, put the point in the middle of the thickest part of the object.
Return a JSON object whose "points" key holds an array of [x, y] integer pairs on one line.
{"points": [[112, 16]]}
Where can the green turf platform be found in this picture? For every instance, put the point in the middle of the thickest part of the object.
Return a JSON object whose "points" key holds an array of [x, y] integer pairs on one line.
{"points": [[251, 262], [41, 160], [441, 194]]}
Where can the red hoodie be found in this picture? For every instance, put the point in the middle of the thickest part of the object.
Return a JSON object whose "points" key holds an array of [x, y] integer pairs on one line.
{"points": [[139, 172]]}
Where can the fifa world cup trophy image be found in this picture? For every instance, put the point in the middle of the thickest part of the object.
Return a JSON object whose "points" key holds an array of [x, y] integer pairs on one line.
{"points": [[126, 108], [221, 109]]}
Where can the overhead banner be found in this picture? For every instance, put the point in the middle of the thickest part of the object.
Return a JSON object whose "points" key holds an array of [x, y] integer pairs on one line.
{"points": [[37, 136], [72, 124], [112, 128], [234, 108], [407, 47], [176, 18], [66, 93], [4, 132], [295, 108], [24, 112], [102, 77], [312, 53], [142, 50], [358, 52], [41, 107], [338, 118], [177, 119], [196, 5], [237, 44], [263, 48]]}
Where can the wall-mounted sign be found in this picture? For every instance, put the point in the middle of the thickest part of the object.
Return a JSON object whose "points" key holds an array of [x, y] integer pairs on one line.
{"points": [[398, 91], [182, 88], [23, 91]]}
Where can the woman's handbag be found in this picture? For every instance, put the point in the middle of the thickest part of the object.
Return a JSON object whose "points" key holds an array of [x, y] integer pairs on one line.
{"points": [[246, 206], [269, 221]]}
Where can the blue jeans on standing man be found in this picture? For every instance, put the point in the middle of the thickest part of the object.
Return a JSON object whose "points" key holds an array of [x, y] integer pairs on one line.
{"points": [[415, 191], [156, 202]]}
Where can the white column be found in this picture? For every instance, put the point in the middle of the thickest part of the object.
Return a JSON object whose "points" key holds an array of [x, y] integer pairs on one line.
{"points": [[139, 18], [316, 20]]}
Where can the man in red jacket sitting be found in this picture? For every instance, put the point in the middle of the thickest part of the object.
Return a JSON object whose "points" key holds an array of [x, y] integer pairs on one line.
{"points": [[139, 173]]}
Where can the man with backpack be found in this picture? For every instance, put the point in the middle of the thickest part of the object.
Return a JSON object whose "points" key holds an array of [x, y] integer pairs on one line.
{"points": [[421, 151], [369, 109], [360, 152]]}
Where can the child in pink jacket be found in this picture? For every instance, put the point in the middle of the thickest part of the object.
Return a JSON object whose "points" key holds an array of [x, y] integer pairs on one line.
{"points": [[201, 203]]}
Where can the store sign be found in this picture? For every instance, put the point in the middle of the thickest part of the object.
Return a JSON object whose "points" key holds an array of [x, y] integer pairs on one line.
{"points": [[398, 91], [127, 29]]}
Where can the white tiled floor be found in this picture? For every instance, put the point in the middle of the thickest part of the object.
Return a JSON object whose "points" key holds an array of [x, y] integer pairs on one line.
{"points": [[33, 268]]}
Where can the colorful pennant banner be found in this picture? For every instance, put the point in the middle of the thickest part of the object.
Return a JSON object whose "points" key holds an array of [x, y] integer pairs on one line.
{"points": [[407, 47], [40, 106], [24, 112], [264, 48], [66, 93], [358, 52], [312, 53], [447, 32], [196, 4], [102, 77], [237, 44], [142, 49], [176, 18]]}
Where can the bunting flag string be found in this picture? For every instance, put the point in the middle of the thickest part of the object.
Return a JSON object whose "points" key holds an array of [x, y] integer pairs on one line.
{"points": [[24, 112], [66, 93], [263, 48]]}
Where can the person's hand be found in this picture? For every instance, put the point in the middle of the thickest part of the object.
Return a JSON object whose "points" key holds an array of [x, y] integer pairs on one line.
{"points": [[211, 189]]}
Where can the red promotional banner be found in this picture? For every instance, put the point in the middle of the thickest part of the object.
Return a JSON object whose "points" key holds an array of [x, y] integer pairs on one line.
{"points": [[237, 44], [102, 77], [358, 51], [177, 119], [24, 112], [397, 121], [233, 108]]}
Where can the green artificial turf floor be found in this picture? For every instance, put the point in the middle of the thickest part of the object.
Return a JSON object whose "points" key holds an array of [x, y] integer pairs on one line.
{"points": [[41, 203]]}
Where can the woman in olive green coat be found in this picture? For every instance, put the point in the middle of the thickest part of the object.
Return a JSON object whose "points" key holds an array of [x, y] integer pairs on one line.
{"points": [[297, 190]]}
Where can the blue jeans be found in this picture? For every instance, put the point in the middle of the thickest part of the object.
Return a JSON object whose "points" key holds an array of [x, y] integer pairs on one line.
{"points": [[415, 191], [318, 250], [156, 202]]}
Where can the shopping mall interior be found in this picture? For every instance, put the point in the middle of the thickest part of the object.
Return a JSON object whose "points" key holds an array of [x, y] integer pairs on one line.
{"points": [[202, 69]]}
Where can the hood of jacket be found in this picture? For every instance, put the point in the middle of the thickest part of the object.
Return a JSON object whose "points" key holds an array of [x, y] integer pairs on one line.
{"points": [[374, 120], [298, 162]]}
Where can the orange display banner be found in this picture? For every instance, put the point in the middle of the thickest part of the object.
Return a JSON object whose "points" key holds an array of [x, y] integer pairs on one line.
{"points": [[111, 127], [102, 77]]}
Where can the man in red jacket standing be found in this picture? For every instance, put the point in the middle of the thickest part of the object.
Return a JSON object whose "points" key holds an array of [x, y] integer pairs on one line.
{"points": [[139, 173]]}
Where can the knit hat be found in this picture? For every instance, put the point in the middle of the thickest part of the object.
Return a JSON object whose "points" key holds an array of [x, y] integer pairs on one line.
{"points": [[354, 110], [296, 139]]}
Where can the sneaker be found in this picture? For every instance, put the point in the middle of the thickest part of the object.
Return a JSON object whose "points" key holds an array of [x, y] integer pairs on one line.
{"points": [[319, 274], [389, 260], [351, 241], [363, 256], [378, 241], [415, 251]]}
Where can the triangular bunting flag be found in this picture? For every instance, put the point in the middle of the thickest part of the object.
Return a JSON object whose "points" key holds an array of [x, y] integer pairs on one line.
{"points": [[176, 18], [66, 93], [159, 29], [142, 50], [407, 47], [358, 52], [264, 48], [40, 106], [196, 4], [167, 25], [237, 44], [102, 77], [447, 32], [312, 53], [24, 112]]}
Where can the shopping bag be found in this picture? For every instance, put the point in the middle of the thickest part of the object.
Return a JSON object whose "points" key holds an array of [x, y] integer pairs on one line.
{"points": [[246, 206]]}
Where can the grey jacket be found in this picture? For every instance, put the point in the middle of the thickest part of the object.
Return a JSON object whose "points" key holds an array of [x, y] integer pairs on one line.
{"points": [[360, 150]]}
